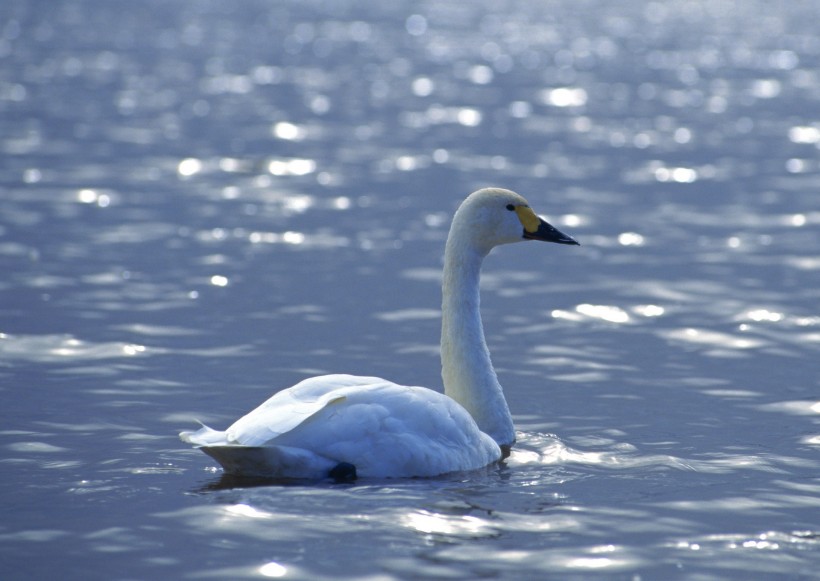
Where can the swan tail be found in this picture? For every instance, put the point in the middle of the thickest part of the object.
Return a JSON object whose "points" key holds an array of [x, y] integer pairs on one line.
{"points": [[204, 436], [276, 462]]}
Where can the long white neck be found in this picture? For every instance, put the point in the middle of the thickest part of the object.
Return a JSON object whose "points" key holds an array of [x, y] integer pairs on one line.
{"points": [[468, 374]]}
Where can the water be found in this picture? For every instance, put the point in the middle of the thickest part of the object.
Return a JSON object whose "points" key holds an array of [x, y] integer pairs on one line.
{"points": [[203, 203]]}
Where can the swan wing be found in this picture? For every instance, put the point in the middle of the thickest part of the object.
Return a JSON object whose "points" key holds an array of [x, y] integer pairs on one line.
{"points": [[287, 409], [280, 413]]}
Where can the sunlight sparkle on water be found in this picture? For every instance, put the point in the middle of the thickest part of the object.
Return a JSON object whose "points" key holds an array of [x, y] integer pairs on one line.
{"points": [[272, 569], [596, 559], [291, 167], [564, 97], [416, 24], [189, 166], [230, 164], [423, 86], [649, 310], [441, 155], [604, 312], [520, 109], [440, 524], [713, 338], [796, 220], [590, 563], [795, 165], [288, 131], [760, 315], [480, 74], [469, 117], [680, 175], [574, 220], [298, 203], [630, 239], [804, 134], [276, 238], [88, 196], [766, 88], [293, 237], [342, 203], [231, 192], [245, 510], [133, 349], [32, 176], [406, 163]]}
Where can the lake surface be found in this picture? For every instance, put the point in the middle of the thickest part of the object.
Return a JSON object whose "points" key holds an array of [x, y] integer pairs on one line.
{"points": [[203, 202]]}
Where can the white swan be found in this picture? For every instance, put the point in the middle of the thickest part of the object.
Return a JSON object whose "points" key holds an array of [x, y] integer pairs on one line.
{"points": [[344, 426]]}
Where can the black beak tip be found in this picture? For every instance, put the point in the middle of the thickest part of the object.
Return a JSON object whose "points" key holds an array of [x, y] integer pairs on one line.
{"points": [[548, 233]]}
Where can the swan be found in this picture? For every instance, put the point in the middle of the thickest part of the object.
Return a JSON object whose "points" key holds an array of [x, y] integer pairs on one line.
{"points": [[345, 426]]}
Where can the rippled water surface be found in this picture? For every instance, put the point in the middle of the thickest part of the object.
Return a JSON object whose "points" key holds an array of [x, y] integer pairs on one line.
{"points": [[204, 202]]}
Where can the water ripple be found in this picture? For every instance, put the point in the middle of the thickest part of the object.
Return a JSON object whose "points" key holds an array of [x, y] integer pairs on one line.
{"points": [[62, 348]]}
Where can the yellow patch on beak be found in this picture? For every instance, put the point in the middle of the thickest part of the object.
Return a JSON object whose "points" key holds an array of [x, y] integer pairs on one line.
{"points": [[528, 218]]}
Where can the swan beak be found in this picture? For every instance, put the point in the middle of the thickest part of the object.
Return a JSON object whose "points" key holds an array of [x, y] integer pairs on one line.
{"points": [[549, 233], [536, 228]]}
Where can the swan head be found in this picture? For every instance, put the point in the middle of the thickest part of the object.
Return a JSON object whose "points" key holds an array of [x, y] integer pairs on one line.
{"points": [[493, 216]]}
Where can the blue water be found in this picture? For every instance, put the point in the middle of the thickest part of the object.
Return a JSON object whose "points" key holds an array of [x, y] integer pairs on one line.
{"points": [[202, 203]]}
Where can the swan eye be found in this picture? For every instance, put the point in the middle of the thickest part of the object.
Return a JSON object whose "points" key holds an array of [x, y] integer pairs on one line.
{"points": [[510, 207]]}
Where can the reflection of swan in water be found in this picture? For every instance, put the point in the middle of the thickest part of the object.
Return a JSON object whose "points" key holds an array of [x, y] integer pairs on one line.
{"points": [[342, 426]]}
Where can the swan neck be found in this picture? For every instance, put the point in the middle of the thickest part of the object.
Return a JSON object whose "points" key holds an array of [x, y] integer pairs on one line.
{"points": [[467, 371]]}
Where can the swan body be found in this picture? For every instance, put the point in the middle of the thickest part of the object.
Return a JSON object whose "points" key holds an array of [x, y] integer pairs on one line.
{"points": [[375, 428]]}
